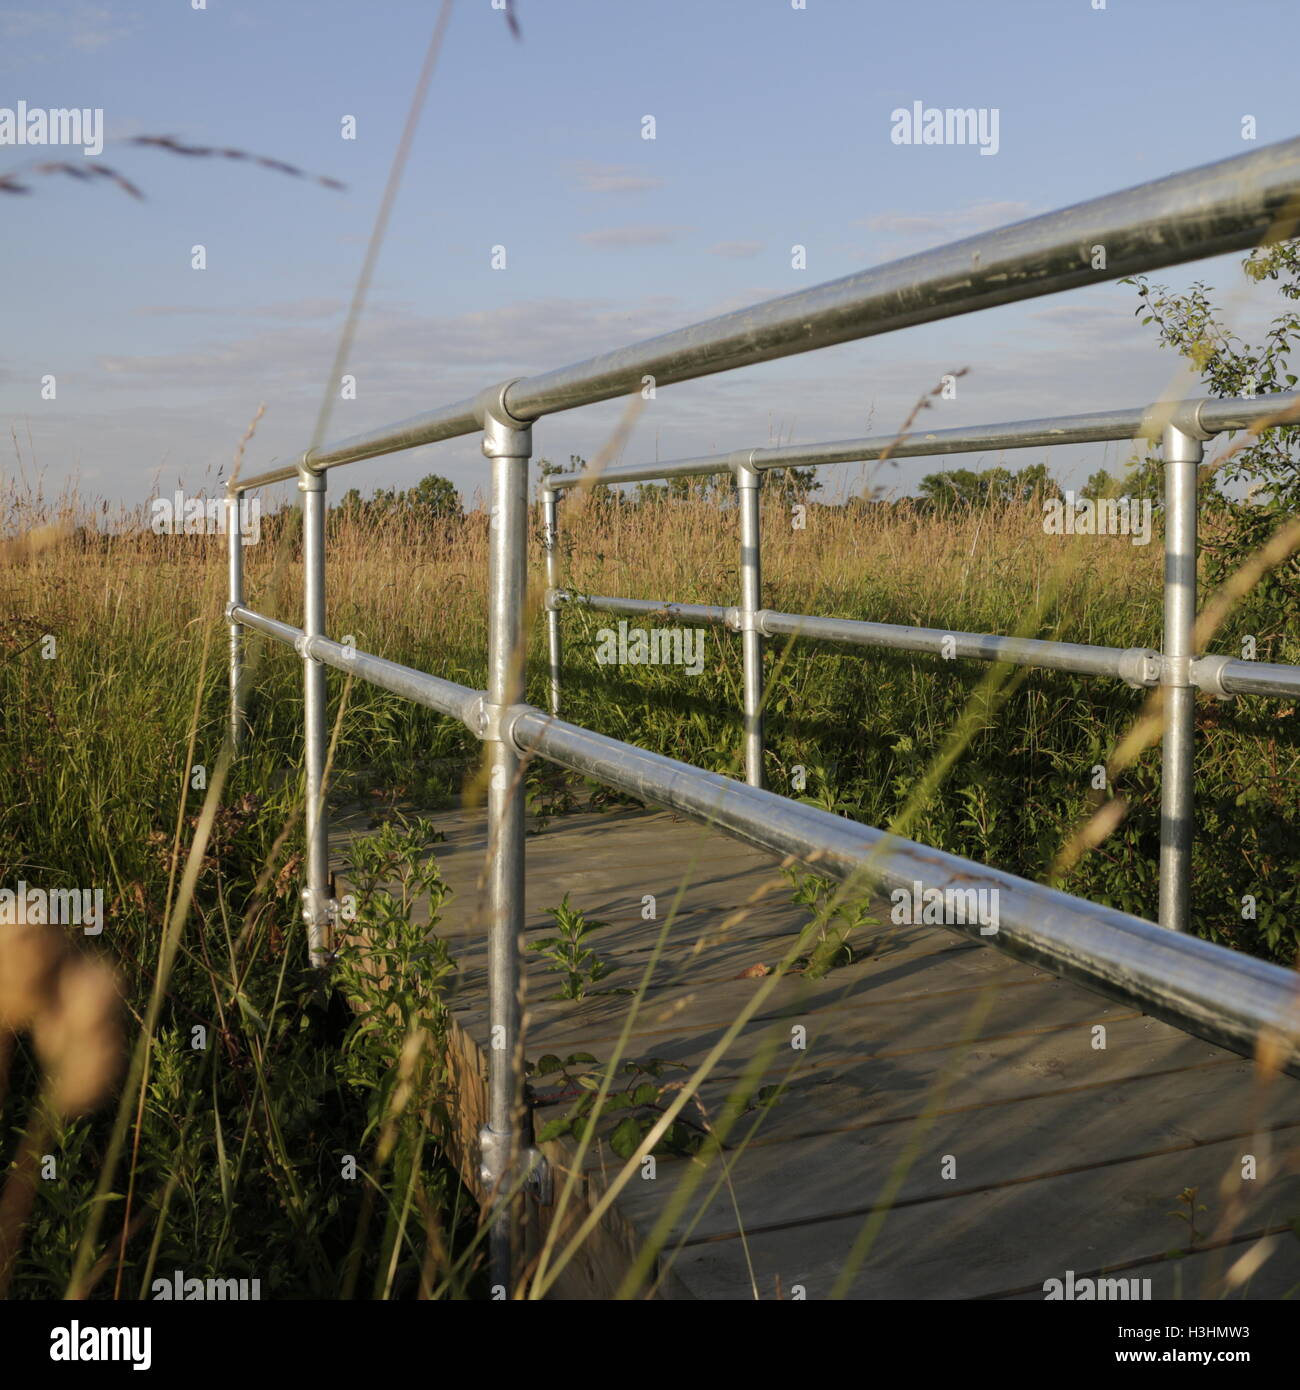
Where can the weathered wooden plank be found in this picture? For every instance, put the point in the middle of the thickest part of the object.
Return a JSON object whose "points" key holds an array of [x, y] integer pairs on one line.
{"points": [[988, 1073], [1207, 1274], [967, 1150], [835, 1099], [837, 1025], [719, 962], [998, 1240]]}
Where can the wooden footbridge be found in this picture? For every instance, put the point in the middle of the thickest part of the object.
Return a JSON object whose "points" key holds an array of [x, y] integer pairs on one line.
{"points": [[960, 1119], [1009, 1128]]}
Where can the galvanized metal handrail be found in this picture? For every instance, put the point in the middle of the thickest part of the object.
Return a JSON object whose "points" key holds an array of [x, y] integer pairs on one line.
{"points": [[1181, 426], [1215, 993], [1223, 996], [1230, 205], [1136, 666], [1203, 416]]}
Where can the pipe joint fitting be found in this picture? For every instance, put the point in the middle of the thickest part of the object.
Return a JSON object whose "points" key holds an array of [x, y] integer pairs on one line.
{"points": [[1176, 671], [309, 480], [1140, 667], [504, 435], [474, 716], [318, 907], [497, 722], [744, 620], [743, 470], [1207, 675], [494, 1167], [1187, 420], [1183, 446], [493, 1158]]}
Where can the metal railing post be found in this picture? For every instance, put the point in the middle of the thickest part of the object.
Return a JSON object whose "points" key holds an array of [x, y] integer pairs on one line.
{"points": [[550, 539], [508, 443], [316, 909], [751, 600], [235, 597], [1182, 453]]}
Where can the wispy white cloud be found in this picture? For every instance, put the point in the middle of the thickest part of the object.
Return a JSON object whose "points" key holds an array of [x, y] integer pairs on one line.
{"points": [[85, 28], [736, 250], [205, 391], [1095, 321], [291, 311], [614, 178], [619, 238], [394, 349]]}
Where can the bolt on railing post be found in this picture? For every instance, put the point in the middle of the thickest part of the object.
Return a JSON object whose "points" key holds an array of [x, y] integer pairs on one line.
{"points": [[550, 539], [235, 597], [1182, 453], [316, 896], [508, 443], [751, 600]]}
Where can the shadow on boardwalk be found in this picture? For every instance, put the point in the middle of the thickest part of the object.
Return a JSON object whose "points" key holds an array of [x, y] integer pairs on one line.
{"points": [[971, 1087]]}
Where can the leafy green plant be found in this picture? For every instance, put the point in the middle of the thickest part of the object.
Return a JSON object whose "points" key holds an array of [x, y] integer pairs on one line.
{"points": [[828, 797], [548, 792], [567, 954], [1188, 1198], [637, 1092], [835, 919], [1194, 326], [392, 967]]}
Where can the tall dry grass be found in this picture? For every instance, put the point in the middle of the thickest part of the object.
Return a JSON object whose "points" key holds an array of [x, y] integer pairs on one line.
{"points": [[105, 731]]}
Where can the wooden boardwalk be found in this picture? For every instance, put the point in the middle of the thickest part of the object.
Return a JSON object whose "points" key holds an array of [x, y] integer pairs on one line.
{"points": [[962, 1090]]}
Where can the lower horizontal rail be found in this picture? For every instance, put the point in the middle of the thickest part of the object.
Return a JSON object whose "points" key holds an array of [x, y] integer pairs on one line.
{"points": [[1131, 664], [446, 697], [1227, 998], [1259, 678], [644, 607], [259, 622], [1139, 666]]}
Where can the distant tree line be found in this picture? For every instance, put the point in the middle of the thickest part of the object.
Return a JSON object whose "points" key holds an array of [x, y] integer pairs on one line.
{"points": [[959, 488], [947, 491], [435, 503], [433, 498], [796, 484]]}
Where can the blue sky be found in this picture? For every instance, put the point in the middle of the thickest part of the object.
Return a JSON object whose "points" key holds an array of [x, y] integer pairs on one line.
{"points": [[772, 129]]}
